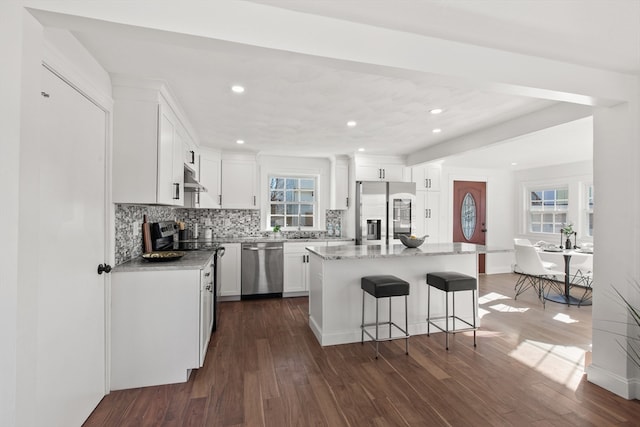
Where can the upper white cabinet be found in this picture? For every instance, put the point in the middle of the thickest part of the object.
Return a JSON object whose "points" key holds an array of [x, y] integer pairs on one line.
{"points": [[428, 213], [380, 168], [192, 157], [340, 184], [148, 145], [427, 178], [210, 179], [238, 183]]}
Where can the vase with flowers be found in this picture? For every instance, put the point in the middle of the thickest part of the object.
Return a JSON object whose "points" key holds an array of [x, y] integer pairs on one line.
{"points": [[566, 233]]}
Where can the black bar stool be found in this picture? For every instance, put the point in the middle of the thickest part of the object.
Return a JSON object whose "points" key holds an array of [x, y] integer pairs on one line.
{"points": [[385, 286], [453, 282]]}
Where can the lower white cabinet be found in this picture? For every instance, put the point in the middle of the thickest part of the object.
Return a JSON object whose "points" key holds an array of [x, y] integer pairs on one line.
{"points": [[160, 325], [230, 273], [296, 268]]}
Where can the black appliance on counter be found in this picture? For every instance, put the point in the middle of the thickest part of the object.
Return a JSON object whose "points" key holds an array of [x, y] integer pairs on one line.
{"points": [[164, 237]]}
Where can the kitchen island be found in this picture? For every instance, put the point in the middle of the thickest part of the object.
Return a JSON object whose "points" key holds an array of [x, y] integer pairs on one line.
{"points": [[335, 296]]}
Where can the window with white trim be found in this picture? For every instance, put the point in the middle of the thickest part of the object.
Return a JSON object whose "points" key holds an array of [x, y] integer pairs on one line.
{"points": [[292, 202], [589, 209], [548, 209]]}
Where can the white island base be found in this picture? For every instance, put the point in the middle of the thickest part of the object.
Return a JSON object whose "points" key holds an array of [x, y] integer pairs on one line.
{"points": [[335, 296]]}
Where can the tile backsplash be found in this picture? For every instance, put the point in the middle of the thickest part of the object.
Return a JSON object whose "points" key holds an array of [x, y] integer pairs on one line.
{"points": [[224, 223]]}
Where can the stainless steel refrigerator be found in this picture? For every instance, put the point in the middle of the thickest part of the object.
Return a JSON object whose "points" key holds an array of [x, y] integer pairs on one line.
{"points": [[383, 211]]}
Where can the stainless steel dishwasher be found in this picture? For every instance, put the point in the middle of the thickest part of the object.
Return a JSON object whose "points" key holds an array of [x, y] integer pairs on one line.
{"points": [[262, 270]]}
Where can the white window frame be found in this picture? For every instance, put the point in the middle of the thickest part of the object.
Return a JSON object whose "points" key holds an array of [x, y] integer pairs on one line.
{"points": [[589, 203], [315, 201], [556, 210]]}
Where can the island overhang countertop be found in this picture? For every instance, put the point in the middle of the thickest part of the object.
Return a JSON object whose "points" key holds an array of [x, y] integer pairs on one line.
{"points": [[397, 250]]}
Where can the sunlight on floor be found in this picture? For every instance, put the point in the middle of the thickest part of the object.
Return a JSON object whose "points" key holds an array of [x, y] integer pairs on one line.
{"points": [[564, 364], [492, 296], [482, 312], [560, 317], [503, 308]]}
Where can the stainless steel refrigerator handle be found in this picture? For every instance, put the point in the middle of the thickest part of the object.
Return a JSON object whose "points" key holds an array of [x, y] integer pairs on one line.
{"points": [[261, 249]]}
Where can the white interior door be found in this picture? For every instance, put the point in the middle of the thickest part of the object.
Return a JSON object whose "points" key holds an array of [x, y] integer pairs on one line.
{"points": [[71, 310]]}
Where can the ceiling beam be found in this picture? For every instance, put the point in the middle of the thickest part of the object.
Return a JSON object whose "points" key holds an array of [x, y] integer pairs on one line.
{"points": [[542, 119], [274, 28]]}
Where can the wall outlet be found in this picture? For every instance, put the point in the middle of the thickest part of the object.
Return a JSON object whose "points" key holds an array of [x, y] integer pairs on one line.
{"points": [[135, 228]]}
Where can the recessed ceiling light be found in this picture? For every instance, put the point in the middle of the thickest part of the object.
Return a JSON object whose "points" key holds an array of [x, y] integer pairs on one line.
{"points": [[360, 149], [237, 88], [352, 123], [240, 141], [514, 164], [437, 130], [436, 111]]}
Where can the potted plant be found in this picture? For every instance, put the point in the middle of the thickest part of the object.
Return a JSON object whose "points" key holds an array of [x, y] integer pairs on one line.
{"points": [[633, 349], [567, 232], [276, 231]]}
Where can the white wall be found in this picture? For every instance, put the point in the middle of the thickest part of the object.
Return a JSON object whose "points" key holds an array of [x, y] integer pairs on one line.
{"points": [[301, 166], [10, 87], [499, 211], [574, 175]]}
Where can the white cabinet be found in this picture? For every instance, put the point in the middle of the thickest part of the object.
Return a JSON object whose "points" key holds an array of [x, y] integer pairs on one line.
{"points": [[380, 168], [340, 184], [238, 183], [428, 215], [191, 157], [426, 177], [160, 325], [147, 148], [210, 179], [230, 272], [296, 268]]}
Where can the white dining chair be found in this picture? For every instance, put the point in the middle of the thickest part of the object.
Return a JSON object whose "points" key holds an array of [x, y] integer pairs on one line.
{"points": [[582, 275], [527, 242], [533, 273]]}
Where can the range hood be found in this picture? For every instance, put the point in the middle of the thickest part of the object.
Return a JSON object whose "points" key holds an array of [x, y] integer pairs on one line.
{"points": [[190, 183]]}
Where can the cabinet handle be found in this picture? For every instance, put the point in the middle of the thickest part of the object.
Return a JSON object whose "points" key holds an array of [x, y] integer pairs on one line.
{"points": [[304, 259], [429, 213], [177, 196], [254, 200], [429, 182], [347, 202], [384, 174], [380, 173], [220, 199], [193, 157], [426, 183], [197, 202], [426, 213]]}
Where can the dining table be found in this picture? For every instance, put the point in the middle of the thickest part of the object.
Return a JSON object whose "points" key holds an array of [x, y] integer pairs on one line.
{"points": [[565, 297]]}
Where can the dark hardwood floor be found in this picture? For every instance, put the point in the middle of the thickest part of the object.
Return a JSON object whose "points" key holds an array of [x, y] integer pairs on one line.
{"points": [[265, 367]]}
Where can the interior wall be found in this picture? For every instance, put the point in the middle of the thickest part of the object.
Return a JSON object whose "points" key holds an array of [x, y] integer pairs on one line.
{"points": [[499, 211], [11, 16]]}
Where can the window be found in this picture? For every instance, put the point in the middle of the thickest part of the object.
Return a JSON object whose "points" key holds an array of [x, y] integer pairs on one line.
{"points": [[548, 209], [292, 201], [589, 210]]}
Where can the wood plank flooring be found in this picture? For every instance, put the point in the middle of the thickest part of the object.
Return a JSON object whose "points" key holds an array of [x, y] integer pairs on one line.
{"points": [[264, 367]]}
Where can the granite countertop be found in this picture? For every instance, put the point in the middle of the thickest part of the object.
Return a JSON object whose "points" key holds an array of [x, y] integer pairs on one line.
{"points": [[261, 239], [390, 251], [193, 260]]}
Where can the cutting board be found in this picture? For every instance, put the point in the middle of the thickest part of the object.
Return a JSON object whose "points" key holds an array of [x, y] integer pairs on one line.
{"points": [[146, 235]]}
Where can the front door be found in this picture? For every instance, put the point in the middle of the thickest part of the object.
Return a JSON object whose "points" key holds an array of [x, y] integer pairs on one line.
{"points": [[469, 215], [70, 367]]}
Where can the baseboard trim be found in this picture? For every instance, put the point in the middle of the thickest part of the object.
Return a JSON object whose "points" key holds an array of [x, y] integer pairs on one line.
{"points": [[623, 387]]}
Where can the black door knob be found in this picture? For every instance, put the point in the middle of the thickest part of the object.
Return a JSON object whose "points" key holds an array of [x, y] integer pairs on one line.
{"points": [[104, 268]]}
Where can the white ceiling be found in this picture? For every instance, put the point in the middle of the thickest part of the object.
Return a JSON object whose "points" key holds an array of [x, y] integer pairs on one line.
{"points": [[299, 104]]}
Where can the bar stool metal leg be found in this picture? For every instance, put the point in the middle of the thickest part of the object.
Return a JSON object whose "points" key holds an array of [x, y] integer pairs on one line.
{"points": [[406, 325], [473, 302], [362, 324], [428, 308], [446, 319], [377, 326]]}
